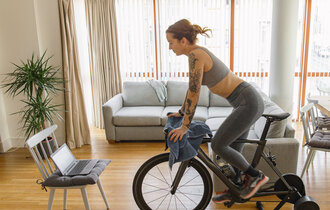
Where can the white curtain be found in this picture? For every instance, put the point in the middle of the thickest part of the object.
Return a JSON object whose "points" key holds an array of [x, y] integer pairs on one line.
{"points": [[83, 48], [252, 42], [318, 78], [104, 56], [76, 123], [136, 28], [214, 14], [136, 38]]}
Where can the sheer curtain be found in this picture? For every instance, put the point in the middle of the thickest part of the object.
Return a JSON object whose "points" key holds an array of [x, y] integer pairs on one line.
{"points": [[214, 14], [318, 77], [77, 129], [82, 42], [136, 39], [147, 50], [140, 41], [252, 40], [104, 60]]}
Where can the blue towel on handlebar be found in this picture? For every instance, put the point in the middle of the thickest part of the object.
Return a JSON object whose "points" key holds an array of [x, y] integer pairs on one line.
{"points": [[188, 146]]}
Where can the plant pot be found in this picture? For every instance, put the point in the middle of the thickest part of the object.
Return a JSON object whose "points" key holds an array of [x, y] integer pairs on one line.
{"points": [[44, 144]]}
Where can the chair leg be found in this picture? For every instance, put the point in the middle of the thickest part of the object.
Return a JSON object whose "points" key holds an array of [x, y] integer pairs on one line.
{"points": [[313, 156], [65, 197], [308, 161], [103, 194], [312, 159], [51, 198], [84, 195]]}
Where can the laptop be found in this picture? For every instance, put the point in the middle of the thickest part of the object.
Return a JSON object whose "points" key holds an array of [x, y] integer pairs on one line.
{"points": [[68, 165]]}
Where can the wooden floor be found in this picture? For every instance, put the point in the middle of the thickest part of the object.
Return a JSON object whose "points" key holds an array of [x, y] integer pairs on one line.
{"points": [[18, 175]]}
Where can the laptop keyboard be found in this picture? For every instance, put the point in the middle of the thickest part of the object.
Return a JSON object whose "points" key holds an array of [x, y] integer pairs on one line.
{"points": [[79, 167]]}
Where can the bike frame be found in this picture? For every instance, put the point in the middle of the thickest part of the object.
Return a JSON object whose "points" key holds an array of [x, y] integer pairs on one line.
{"points": [[234, 189]]}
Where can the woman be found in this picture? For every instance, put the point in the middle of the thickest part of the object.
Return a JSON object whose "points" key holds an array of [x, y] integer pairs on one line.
{"points": [[206, 69]]}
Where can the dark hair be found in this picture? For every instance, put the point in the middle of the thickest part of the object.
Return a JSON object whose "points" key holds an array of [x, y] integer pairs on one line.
{"points": [[183, 28]]}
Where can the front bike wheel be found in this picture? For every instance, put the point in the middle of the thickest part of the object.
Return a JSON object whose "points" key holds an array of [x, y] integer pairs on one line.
{"points": [[152, 185]]}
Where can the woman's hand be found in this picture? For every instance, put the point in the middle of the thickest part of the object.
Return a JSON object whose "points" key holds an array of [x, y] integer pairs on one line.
{"points": [[174, 114], [178, 133]]}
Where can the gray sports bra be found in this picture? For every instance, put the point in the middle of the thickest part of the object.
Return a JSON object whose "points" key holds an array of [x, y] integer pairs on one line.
{"points": [[218, 71]]}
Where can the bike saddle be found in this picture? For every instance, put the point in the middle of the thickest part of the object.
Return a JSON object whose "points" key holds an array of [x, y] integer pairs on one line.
{"points": [[276, 117]]}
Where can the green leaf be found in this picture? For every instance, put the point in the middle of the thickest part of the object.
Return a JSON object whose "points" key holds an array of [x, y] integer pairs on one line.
{"points": [[37, 81]]}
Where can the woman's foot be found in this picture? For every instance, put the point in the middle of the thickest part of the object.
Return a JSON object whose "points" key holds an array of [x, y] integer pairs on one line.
{"points": [[253, 184], [223, 197]]}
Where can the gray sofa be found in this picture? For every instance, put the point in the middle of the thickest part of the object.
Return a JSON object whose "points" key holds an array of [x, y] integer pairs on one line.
{"points": [[137, 114]]}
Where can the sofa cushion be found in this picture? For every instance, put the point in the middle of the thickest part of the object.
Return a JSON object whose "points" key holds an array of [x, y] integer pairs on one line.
{"points": [[263, 95], [176, 92], [214, 123], [252, 135], [140, 94], [216, 100], [200, 114], [138, 116], [277, 128], [219, 111]]}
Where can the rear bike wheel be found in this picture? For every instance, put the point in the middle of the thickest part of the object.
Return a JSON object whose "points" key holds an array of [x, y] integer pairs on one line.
{"points": [[152, 185]]}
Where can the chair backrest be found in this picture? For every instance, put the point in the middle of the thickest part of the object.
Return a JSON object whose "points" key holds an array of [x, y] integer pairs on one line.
{"points": [[309, 120], [317, 111], [40, 145]]}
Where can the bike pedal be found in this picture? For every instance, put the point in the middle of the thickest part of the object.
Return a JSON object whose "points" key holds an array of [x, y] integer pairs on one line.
{"points": [[229, 204]]}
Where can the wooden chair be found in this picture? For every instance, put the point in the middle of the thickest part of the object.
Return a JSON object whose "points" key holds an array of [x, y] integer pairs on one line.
{"points": [[316, 140], [52, 177], [322, 121], [319, 114]]}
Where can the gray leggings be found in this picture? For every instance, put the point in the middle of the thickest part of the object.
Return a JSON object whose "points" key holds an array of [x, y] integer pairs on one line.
{"points": [[248, 107]]}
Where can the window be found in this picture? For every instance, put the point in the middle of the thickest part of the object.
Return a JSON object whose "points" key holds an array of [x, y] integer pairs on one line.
{"points": [[139, 38], [313, 78], [144, 52], [318, 69], [252, 40], [136, 34], [214, 14], [82, 44]]}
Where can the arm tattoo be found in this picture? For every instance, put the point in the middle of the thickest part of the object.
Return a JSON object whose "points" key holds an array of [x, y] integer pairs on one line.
{"points": [[194, 74], [195, 78], [190, 111], [192, 60], [194, 84], [183, 108]]}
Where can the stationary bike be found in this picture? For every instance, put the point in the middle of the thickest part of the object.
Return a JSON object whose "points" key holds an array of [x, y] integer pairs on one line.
{"points": [[189, 185]]}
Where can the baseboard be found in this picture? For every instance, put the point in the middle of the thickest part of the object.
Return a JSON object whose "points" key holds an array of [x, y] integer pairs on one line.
{"points": [[5, 145], [18, 142]]}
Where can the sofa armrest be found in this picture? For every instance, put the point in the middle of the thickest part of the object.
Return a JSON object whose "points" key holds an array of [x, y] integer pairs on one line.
{"points": [[289, 131], [109, 108]]}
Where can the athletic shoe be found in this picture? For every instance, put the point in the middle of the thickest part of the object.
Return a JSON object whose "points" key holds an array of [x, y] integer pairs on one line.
{"points": [[223, 197], [253, 184]]}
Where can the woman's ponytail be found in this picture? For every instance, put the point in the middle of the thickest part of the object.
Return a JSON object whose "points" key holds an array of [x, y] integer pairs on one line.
{"points": [[202, 31], [183, 28]]}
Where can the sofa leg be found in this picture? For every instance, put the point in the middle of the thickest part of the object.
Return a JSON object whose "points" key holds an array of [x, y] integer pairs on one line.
{"points": [[111, 141]]}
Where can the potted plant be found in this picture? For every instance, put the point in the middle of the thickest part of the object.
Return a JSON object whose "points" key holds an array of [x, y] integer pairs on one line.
{"points": [[38, 82]]}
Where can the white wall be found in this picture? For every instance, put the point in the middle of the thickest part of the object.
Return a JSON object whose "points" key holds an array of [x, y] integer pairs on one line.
{"points": [[49, 38], [26, 27]]}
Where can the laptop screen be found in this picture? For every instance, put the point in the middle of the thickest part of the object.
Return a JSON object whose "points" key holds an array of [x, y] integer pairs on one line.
{"points": [[63, 158]]}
